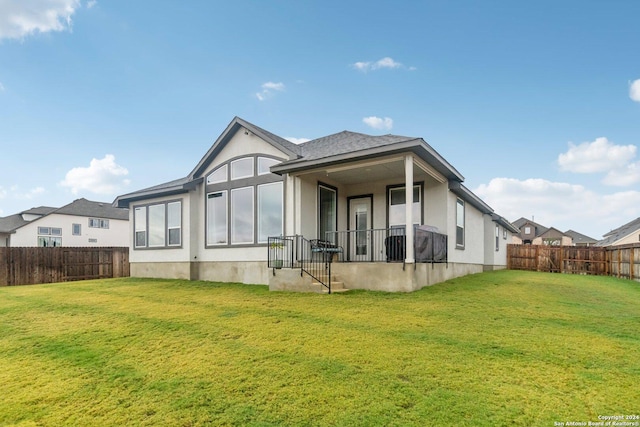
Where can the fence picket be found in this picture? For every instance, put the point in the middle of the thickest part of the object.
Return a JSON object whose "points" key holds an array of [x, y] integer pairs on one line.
{"points": [[27, 266], [618, 261]]}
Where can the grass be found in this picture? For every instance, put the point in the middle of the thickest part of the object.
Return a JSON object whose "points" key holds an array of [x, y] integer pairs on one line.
{"points": [[496, 348]]}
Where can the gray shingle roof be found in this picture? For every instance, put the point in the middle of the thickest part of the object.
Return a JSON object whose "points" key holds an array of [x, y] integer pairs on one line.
{"points": [[620, 232], [10, 223], [84, 207], [579, 238], [339, 147], [346, 142]]}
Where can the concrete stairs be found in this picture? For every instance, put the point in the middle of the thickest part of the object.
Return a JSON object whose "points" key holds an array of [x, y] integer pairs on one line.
{"points": [[336, 285]]}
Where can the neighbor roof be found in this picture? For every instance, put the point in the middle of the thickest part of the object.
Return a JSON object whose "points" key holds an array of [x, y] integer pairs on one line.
{"points": [[620, 232], [580, 238], [79, 207]]}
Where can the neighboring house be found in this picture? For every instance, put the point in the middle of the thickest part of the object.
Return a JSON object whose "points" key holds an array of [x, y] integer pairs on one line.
{"points": [[347, 188], [624, 235], [80, 223], [553, 237], [532, 233], [580, 239], [528, 231]]}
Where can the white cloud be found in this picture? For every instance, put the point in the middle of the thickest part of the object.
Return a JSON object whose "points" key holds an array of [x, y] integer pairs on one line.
{"points": [[297, 140], [602, 155], [378, 122], [91, 3], [634, 90], [103, 176], [560, 205], [33, 192], [385, 62], [268, 88], [20, 18]]}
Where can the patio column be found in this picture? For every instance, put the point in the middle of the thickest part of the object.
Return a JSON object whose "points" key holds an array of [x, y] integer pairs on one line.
{"points": [[408, 188]]}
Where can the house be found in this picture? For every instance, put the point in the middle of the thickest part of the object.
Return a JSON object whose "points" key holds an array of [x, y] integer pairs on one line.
{"points": [[255, 197], [626, 234], [553, 237], [532, 233], [528, 231], [81, 223]]}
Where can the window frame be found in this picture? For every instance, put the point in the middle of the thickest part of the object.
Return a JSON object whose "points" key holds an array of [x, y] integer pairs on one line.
{"points": [[255, 181], [75, 226], [144, 208], [98, 223], [334, 190], [420, 185], [461, 210]]}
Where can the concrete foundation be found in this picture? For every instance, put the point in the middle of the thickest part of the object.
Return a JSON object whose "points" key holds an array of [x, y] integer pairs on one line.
{"points": [[387, 277]]}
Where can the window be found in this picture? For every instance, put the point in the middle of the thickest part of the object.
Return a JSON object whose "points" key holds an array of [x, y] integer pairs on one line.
{"points": [[218, 175], [174, 223], [504, 233], [246, 208], [397, 205], [49, 237], [76, 229], [242, 168], [497, 237], [217, 218], [264, 163], [158, 225], [527, 230], [327, 211], [98, 223], [242, 215], [460, 223], [270, 205], [140, 220]]}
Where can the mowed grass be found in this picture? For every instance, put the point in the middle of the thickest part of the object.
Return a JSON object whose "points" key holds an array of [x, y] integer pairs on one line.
{"points": [[490, 349]]}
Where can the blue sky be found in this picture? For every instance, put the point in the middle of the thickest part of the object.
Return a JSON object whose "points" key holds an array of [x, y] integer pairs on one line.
{"points": [[537, 104]]}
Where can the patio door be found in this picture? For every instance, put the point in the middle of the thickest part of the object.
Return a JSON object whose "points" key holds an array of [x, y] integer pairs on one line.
{"points": [[359, 223]]}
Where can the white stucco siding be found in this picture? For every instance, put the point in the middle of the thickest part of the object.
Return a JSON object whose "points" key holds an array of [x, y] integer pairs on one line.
{"points": [[116, 235], [436, 208], [474, 237], [629, 239]]}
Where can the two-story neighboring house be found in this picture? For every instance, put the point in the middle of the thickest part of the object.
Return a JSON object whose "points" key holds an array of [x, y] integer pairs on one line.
{"points": [[532, 233], [529, 230], [82, 223]]}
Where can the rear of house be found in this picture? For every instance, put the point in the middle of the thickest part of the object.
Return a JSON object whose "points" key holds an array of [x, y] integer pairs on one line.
{"points": [[373, 205]]}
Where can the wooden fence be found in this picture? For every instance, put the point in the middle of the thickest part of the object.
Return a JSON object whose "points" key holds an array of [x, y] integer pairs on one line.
{"points": [[618, 261], [26, 266]]}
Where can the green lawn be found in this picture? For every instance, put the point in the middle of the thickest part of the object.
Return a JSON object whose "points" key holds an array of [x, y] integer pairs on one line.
{"points": [[490, 349]]}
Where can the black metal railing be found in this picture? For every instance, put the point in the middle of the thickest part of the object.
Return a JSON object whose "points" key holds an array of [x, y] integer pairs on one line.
{"points": [[389, 245], [316, 259], [281, 252]]}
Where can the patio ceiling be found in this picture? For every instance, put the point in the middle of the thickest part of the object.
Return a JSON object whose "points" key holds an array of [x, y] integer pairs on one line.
{"points": [[390, 169]]}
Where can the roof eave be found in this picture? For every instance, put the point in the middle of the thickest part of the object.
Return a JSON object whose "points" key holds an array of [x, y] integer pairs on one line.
{"points": [[124, 200], [417, 146]]}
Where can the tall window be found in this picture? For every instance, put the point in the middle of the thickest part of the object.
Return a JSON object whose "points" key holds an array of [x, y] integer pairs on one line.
{"points": [[217, 218], [242, 215], [269, 211], [397, 207], [460, 223], [497, 237], [327, 211], [244, 204], [76, 229], [140, 220], [158, 225]]}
